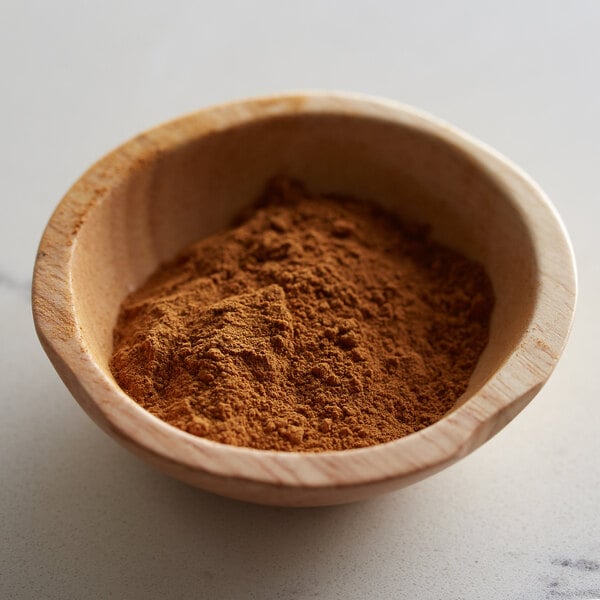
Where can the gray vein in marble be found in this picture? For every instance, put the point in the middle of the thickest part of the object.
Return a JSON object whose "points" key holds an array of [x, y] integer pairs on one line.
{"points": [[12, 284], [575, 579], [590, 594], [581, 564]]}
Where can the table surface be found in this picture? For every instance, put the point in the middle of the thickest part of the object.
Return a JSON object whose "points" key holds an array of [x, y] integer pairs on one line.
{"points": [[82, 518]]}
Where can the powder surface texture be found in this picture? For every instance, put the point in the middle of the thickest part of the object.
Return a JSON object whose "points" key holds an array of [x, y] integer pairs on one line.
{"points": [[315, 323]]}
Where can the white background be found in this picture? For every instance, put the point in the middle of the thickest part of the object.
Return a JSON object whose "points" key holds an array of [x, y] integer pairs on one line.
{"points": [[82, 518]]}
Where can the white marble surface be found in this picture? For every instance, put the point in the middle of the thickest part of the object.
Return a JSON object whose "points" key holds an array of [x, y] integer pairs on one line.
{"points": [[81, 517]]}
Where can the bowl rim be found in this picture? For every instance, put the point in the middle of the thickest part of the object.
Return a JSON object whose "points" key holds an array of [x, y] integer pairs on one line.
{"points": [[412, 457]]}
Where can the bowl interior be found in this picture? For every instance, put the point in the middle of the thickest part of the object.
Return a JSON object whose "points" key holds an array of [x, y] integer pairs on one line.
{"points": [[175, 193]]}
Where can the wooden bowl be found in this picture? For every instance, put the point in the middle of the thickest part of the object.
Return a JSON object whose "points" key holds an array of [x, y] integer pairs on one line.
{"points": [[186, 179]]}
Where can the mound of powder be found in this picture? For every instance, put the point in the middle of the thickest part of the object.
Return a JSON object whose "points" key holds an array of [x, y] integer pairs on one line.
{"points": [[315, 323]]}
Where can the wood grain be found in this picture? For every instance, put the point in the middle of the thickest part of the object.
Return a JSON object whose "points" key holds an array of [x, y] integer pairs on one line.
{"points": [[181, 181]]}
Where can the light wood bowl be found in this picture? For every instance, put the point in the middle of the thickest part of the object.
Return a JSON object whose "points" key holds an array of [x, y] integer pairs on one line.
{"points": [[174, 184]]}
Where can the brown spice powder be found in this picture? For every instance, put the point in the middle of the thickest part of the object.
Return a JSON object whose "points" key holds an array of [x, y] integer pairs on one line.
{"points": [[317, 323]]}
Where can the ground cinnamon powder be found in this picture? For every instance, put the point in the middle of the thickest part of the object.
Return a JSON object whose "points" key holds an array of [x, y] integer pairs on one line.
{"points": [[316, 323]]}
